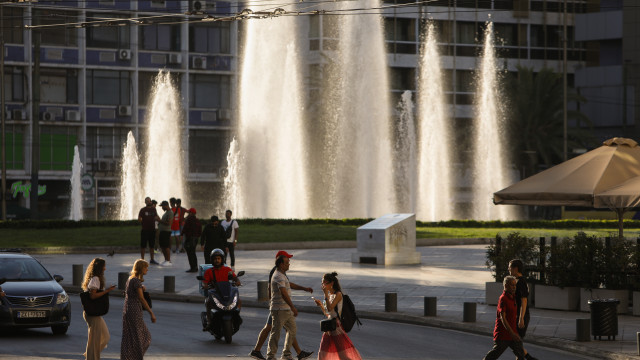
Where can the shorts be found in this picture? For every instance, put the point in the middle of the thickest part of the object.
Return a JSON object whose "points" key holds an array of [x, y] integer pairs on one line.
{"points": [[147, 237], [165, 239], [522, 332], [269, 319], [175, 232]]}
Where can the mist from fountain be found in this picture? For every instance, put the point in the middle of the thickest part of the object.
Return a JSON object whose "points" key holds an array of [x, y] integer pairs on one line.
{"points": [[405, 156], [131, 193], [271, 177], [490, 172], [434, 195], [75, 208]]}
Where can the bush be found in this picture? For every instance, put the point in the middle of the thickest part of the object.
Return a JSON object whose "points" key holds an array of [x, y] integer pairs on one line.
{"points": [[514, 246]]}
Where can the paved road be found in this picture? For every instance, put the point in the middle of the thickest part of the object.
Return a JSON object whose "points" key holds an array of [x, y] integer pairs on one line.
{"points": [[177, 335]]}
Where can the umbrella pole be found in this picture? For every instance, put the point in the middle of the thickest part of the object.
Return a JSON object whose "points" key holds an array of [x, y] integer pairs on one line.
{"points": [[620, 213]]}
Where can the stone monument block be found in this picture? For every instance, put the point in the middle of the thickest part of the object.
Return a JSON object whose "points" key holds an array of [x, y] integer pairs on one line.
{"points": [[388, 240]]}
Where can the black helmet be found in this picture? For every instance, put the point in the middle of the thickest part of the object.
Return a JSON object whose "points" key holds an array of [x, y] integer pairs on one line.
{"points": [[217, 252]]}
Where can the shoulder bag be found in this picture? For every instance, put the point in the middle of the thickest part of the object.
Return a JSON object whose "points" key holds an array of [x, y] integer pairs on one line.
{"points": [[95, 307]]}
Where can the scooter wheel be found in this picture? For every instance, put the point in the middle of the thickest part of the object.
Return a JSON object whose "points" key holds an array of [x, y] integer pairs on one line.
{"points": [[227, 329]]}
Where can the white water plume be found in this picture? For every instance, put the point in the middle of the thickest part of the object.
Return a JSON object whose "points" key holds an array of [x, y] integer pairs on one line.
{"points": [[131, 193], [405, 156], [75, 208]]}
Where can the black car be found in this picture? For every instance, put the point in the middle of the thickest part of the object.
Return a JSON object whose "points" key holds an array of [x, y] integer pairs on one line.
{"points": [[32, 297]]}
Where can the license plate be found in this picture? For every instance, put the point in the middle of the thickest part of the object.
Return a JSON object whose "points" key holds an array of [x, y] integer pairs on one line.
{"points": [[31, 314]]}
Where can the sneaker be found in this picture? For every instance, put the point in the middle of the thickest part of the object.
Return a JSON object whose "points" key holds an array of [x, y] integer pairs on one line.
{"points": [[153, 262], [304, 354], [256, 354], [167, 263], [192, 270], [155, 251]]}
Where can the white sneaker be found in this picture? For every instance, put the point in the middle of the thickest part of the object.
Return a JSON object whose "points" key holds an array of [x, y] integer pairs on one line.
{"points": [[166, 263]]}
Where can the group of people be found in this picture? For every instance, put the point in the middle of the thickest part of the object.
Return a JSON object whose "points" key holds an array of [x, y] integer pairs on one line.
{"points": [[182, 227]]}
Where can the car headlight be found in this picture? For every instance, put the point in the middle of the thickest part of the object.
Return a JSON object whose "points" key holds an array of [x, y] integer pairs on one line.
{"points": [[62, 298]]}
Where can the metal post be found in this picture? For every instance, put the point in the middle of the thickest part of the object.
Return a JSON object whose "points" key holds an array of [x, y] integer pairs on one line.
{"points": [[122, 280], [638, 342], [430, 306], [469, 312], [3, 142], [263, 290], [35, 127], [77, 274], [583, 329], [390, 302], [169, 284], [543, 259]]}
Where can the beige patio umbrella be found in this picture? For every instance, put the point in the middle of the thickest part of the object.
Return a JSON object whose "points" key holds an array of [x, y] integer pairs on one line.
{"points": [[577, 181]]}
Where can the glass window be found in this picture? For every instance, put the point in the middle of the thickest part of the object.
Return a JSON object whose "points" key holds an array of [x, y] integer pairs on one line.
{"points": [[506, 34], [13, 26], [105, 87], [106, 142], [207, 150], [212, 38], [160, 37], [398, 29], [14, 83], [56, 35], [314, 26], [210, 91], [465, 81], [56, 147], [14, 147], [403, 78], [59, 86], [466, 33], [108, 36]]}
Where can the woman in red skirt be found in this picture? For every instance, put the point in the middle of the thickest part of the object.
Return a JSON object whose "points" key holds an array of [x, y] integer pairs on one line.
{"points": [[334, 344]]}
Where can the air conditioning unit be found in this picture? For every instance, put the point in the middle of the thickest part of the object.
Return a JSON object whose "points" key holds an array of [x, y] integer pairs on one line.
{"points": [[104, 165], [197, 5], [18, 114], [124, 110], [224, 115], [48, 116], [124, 54], [72, 115], [199, 62], [175, 58], [7, 114]]}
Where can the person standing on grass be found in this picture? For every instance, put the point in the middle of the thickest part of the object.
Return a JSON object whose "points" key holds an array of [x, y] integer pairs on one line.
{"points": [[148, 217], [505, 331], [516, 268], [232, 236]]}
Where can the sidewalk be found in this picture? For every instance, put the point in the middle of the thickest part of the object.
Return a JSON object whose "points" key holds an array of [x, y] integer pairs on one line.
{"points": [[453, 273]]}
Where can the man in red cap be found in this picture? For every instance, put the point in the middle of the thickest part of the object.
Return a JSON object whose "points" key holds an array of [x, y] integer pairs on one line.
{"points": [[262, 337], [191, 231]]}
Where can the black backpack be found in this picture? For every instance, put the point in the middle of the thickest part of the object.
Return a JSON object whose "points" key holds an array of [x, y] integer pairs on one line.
{"points": [[348, 317], [229, 229]]}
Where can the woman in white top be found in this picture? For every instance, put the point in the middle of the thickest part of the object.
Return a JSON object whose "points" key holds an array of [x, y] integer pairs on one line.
{"points": [[335, 345], [98, 336]]}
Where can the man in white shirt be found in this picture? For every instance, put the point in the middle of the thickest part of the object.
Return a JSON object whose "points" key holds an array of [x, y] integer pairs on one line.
{"points": [[231, 228]]}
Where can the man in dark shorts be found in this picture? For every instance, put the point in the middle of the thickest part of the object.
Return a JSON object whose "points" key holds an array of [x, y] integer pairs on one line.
{"points": [[164, 225], [148, 217], [516, 267]]}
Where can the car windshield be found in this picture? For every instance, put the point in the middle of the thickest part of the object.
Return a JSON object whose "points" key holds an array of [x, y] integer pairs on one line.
{"points": [[25, 269]]}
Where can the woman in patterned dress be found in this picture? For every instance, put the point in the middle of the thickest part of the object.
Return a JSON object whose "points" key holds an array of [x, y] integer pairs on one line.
{"points": [[335, 345], [98, 333], [136, 338]]}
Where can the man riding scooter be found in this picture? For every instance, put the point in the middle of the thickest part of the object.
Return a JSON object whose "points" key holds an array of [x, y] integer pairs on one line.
{"points": [[221, 273]]}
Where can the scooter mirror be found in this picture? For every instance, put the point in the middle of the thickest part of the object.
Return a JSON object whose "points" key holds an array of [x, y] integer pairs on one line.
{"points": [[240, 273], [200, 277]]}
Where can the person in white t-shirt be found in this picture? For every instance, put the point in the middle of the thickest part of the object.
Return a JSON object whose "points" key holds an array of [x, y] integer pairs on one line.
{"points": [[233, 239]]}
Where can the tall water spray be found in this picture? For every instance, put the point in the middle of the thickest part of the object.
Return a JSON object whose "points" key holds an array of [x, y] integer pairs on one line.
{"points": [[490, 171], [272, 159], [75, 208], [435, 181], [363, 181], [131, 193], [164, 165], [405, 156]]}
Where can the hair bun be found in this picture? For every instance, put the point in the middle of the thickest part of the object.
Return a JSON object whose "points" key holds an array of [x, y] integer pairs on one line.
{"points": [[334, 274]]}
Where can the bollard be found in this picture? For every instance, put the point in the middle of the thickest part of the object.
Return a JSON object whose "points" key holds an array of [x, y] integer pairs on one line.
{"points": [[430, 306], [122, 280], [469, 312], [169, 284], [77, 274], [638, 342], [390, 302], [583, 329], [263, 290]]}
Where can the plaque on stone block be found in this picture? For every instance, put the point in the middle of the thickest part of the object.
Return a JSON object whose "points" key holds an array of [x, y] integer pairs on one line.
{"points": [[388, 240]]}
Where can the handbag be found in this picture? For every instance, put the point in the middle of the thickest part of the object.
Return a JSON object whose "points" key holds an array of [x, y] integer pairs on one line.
{"points": [[94, 307], [328, 324], [147, 298]]}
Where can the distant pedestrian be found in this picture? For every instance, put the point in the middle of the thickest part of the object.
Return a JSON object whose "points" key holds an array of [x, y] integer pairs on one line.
{"points": [[164, 225], [516, 268], [148, 216], [191, 231], [155, 249], [232, 236], [175, 225], [98, 333], [182, 218], [334, 345], [505, 331], [264, 333], [213, 237], [136, 338]]}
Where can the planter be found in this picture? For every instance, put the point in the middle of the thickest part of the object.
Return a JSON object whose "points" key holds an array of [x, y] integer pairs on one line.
{"points": [[636, 303], [589, 294], [492, 292], [553, 297]]}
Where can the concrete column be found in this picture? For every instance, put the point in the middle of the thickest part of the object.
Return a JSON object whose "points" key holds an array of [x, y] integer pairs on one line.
{"points": [[122, 280], [469, 312], [169, 284], [583, 329], [430, 306], [391, 302], [77, 274], [263, 292]]}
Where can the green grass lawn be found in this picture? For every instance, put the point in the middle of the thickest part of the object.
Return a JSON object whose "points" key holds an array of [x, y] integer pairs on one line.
{"points": [[250, 233]]}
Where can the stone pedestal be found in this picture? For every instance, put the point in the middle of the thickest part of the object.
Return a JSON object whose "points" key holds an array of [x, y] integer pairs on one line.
{"points": [[388, 240]]}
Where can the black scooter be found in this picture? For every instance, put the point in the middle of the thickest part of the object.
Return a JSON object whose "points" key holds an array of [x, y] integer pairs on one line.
{"points": [[225, 314]]}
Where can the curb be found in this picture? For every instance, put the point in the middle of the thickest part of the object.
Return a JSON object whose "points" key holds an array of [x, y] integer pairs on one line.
{"points": [[561, 344]]}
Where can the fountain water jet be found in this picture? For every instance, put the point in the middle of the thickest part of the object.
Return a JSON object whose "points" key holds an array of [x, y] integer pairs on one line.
{"points": [[131, 193], [75, 208], [435, 181], [490, 172], [405, 156]]}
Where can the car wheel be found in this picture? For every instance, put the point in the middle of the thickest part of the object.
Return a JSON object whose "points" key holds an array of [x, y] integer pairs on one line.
{"points": [[59, 329]]}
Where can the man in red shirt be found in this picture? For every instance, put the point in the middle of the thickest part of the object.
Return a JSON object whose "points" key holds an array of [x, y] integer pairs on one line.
{"points": [[221, 273], [505, 332]]}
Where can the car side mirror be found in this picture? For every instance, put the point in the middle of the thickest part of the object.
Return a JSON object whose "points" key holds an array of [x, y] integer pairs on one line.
{"points": [[58, 278]]}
